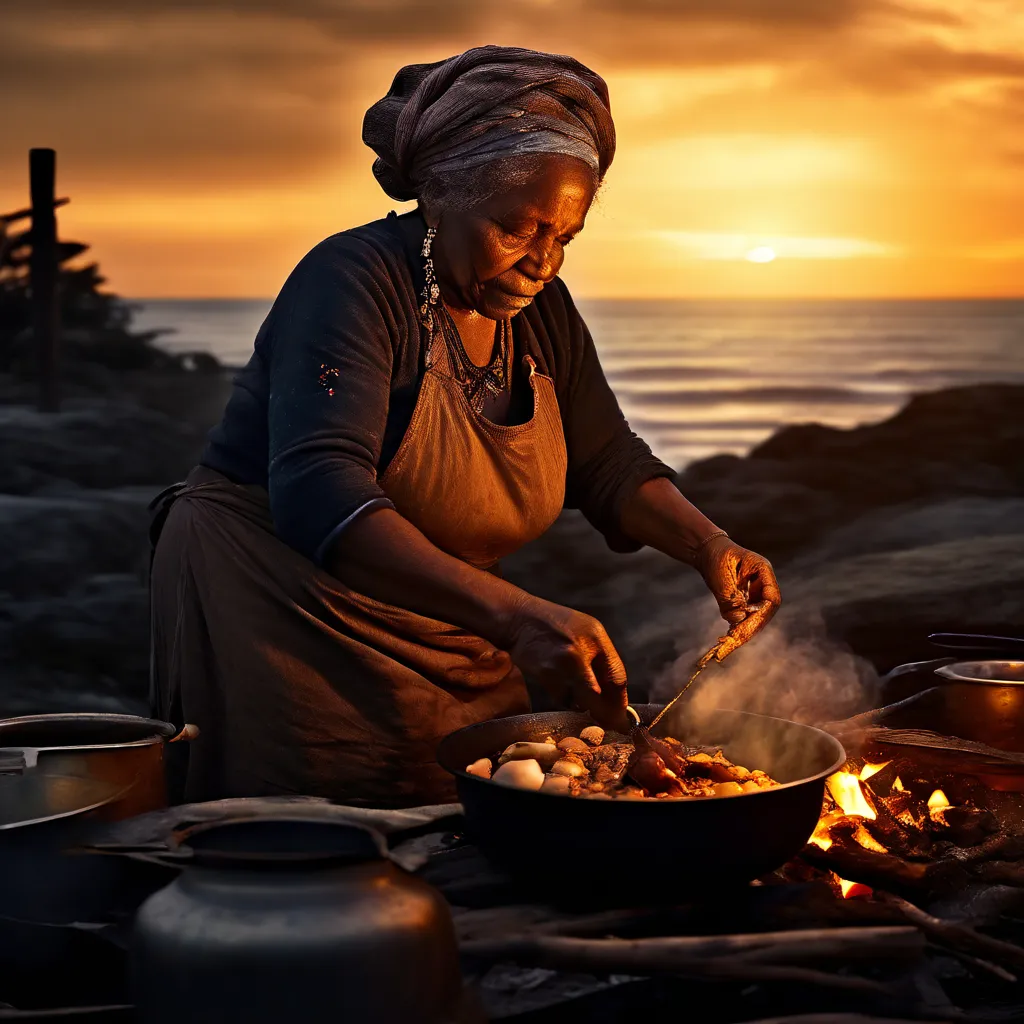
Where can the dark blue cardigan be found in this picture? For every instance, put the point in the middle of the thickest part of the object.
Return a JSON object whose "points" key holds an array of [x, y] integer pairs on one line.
{"points": [[350, 310]]}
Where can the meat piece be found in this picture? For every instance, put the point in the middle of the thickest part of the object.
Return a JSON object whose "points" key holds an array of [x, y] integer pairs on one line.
{"points": [[545, 754], [649, 771], [593, 734], [574, 746], [604, 774]]}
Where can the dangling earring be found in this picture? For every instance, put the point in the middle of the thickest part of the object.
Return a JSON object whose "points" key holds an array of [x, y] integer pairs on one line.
{"points": [[431, 291]]}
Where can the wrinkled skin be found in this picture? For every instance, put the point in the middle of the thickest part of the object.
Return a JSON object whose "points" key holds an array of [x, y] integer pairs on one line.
{"points": [[493, 260], [744, 585]]}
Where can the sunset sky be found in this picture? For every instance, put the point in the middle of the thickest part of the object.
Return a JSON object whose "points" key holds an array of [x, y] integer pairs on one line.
{"points": [[875, 147]]}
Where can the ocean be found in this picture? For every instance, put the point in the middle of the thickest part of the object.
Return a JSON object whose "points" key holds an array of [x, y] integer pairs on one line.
{"points": [[696, 378]]}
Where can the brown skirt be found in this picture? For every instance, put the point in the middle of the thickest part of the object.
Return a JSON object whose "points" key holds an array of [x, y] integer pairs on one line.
{"points": [[297, 683]]}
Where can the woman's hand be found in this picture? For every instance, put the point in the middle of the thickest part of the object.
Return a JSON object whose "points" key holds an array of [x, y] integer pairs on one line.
{"points": [[744, 585], [565, 650]]}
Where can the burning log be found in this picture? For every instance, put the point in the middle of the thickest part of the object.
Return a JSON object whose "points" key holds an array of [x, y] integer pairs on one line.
{"points": [[878, 870]]}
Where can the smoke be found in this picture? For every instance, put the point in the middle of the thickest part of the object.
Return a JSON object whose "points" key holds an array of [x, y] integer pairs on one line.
{"points": [[791, 670]]}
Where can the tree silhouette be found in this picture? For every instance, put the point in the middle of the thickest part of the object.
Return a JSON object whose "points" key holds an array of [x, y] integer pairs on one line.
{"points": [[95, 324]]}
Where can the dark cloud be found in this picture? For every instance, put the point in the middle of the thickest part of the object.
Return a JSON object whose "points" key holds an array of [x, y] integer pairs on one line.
{"points": [[247, 90]]}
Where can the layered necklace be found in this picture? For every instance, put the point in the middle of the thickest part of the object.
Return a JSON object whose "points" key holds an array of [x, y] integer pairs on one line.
{"points": [[476, 381]]}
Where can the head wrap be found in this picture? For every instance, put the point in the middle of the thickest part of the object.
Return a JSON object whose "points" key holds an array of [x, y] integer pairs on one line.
{"points": [[487, 103]]}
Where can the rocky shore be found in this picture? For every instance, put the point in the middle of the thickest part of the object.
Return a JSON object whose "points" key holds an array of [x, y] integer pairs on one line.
{"points": [[879, 535]]}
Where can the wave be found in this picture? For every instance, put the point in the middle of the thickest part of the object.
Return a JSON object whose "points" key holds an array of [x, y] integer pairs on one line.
{"points": [[768, 395]]}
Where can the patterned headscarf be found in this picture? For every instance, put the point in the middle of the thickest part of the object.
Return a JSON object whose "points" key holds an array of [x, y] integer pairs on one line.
{"points": [[487, 103]]}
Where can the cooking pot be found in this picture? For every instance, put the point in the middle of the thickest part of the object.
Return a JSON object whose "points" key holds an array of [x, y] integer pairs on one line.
{"points": [[277, 919], [123, 750], [41, 816], [636, 850], [984, 701]]}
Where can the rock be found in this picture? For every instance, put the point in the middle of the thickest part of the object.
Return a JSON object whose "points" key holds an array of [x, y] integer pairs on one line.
{"points": [[806, 480], [93, 444], [51, 541], [98, 633]]}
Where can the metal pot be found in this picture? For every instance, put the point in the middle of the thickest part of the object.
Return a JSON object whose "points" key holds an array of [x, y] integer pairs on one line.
{"points": [[279, 919], [984, 701], [123, 750], [41, 816]]}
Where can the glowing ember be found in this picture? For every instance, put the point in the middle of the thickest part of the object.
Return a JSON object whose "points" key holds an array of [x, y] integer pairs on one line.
{"points": [[867, 840], [846, 791], [850, 889], [871, 769], [937, 803]]}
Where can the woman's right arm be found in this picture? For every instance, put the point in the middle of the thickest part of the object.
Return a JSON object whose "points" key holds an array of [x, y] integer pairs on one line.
{"points": [[381, 554], [337, 314]]}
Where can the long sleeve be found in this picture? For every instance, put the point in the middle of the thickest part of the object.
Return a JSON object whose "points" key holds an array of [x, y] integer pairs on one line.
{"points": [[607, 461], [330, 357]]}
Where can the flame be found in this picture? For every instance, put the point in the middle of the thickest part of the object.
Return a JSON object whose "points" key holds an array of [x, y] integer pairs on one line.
{"points": [[937, 803], [846, 791], [867, 840], [897, 785], [871, 769], [849, 889]]}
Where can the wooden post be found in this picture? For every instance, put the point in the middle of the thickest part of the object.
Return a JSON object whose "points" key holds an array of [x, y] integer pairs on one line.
{"points": [[43, 274]]}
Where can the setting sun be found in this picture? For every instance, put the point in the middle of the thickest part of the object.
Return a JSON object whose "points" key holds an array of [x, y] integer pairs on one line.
{"points": [[761, 254]]}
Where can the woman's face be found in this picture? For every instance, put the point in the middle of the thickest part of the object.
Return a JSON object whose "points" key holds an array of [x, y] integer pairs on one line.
{"points": [[495, 258]]}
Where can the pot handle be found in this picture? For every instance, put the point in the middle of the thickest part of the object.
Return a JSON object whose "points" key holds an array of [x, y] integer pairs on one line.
{"points": [[189, 732], [976, 642], [16, 760]]}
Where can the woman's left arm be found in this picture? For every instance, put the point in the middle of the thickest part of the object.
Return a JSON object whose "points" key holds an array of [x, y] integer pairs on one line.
{"points": [[742, 582]]}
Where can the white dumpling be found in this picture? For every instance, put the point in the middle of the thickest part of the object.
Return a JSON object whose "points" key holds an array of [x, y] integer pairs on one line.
{"points": [[520, 774]]}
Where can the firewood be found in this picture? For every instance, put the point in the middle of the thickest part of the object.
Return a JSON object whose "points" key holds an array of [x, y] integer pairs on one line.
{"points": [[879, 870], [957, 936], [674, 954]]}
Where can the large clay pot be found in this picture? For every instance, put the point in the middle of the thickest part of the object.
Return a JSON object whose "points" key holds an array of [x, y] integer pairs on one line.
{"points": [[279, 919]]}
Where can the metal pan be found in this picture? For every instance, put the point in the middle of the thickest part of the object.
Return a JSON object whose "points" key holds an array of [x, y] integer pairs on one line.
{"points": [[637, 850], [123, 750]]}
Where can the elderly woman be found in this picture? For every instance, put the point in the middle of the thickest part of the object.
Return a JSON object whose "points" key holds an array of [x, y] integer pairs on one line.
{"points": [[423, 399]]}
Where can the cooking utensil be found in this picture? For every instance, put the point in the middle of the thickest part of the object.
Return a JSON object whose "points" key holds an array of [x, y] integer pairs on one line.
{"points": [[41, 817], [278, 919], [609, 849], [124, 750], [976, 642]]}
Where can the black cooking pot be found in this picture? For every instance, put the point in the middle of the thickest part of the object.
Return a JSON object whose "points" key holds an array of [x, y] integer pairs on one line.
{"points": [[612, 849], [282, 919]]}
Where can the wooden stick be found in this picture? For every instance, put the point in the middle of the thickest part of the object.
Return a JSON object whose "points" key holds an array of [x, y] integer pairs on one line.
{"points": [[978, 964], [673, 954], [958, 936], [879, 870], [830, 1018], [43, 275]]}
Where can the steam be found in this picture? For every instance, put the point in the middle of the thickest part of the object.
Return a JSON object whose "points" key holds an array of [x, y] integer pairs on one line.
{"points": [[791, 670]]}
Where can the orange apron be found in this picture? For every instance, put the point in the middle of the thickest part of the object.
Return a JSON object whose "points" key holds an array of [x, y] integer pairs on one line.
{"points": [[301, 685]]}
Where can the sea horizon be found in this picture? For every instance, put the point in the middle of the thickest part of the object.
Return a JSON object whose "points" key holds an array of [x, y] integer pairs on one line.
{"points": [[697, 377]]}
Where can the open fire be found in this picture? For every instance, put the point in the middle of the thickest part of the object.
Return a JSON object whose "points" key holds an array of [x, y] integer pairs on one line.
{"points": [[859, 811]]}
